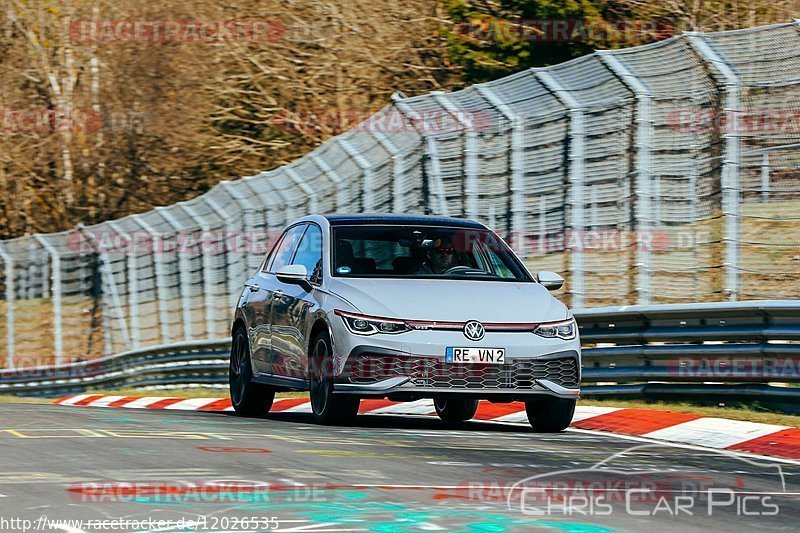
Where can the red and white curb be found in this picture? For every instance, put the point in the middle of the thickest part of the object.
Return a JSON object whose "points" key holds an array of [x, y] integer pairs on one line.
{"points": [[684, 428]]}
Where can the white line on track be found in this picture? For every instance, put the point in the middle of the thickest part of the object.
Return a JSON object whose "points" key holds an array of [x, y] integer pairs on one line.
{"points": [[665, 443]]}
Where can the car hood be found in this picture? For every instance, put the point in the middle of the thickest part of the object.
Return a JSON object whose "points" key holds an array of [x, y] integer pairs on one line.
{"points": [[450, 300]]}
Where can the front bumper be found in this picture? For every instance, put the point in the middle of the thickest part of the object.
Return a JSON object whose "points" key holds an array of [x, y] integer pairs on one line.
{"points": [[535, 366], [373, 371]]}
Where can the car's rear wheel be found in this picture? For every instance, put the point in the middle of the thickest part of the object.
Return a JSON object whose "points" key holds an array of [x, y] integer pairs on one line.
{"points": [[248, 398], [327, 407], [550, 415], [456, 410]]}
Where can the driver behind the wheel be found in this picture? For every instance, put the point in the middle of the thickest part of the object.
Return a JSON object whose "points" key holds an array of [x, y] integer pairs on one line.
{"points": [[440, 258]]}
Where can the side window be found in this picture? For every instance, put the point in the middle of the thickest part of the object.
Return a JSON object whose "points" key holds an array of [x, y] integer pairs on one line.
{"points": [[309, 253], [283, 254]]}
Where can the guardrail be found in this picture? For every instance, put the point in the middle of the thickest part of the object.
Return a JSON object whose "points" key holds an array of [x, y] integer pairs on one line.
{"points": [[715, 352]]}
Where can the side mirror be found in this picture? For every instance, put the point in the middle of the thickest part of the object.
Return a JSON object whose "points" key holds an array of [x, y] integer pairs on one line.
{"points": [[550, 280], [296, 274]]}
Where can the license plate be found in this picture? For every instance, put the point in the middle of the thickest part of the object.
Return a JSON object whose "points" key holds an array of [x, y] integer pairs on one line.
{"points": [[490, 356]]}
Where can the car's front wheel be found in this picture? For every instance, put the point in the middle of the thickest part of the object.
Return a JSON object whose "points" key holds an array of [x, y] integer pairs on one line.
{"points": [[550, 415], [247, 398], [327, 407], [458, 410]]}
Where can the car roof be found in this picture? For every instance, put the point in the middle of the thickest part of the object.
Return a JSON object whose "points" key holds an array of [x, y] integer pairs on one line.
{"points": [[400, 220]]}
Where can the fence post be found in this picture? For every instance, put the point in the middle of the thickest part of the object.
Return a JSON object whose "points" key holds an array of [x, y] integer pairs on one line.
{"points": [[431, 154], [646, 217], [234, 278], [765, 178], [208, 280], [184, 276], [55, 286], [289, 212], [108, 275], [577, 133], [305, 187], [338, 181], [398, 200], [516, 220], [471, 165], [133, 285], [10, 295], [732, 158], [367, 185], [158, 250]]}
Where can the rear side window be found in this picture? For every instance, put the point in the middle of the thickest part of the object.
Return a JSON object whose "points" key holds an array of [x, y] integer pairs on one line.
{"points": [[283, 254]]}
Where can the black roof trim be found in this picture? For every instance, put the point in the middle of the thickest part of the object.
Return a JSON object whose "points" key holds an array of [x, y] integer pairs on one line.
{"points": [[401, 220]]}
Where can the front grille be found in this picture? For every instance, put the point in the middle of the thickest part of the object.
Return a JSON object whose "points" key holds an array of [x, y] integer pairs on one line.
{"points": [[429, 372]]}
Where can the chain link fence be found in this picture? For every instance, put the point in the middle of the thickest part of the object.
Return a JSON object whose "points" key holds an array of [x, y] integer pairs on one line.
{"points": [[666, 173]]}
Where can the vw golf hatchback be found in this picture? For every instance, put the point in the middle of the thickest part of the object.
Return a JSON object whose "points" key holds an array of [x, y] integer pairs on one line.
{"points": [[405, 308]]}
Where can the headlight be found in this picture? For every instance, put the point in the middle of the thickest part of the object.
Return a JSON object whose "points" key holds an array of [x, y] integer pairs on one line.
{"points": [[370, 325], [557, 330]]}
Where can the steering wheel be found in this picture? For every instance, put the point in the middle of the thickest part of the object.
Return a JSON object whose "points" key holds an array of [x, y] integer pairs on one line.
{"points": [[458, 268]]}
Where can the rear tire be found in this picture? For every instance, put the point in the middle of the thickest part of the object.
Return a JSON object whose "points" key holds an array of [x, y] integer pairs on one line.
{"points": [[328, 408], [550, 415], [459, 410], [247, 398]]}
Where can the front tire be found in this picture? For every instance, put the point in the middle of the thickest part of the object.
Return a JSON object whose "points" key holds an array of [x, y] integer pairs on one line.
{"points": [[328, 408], [550, 415], [247, 398], [459, 410]]}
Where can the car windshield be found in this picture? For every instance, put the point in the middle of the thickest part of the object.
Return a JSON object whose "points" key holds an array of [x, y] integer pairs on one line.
{"points": [[423, 252]]}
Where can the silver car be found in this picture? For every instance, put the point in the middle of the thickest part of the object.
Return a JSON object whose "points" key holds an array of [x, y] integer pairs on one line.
{"points": [[405, 308]]}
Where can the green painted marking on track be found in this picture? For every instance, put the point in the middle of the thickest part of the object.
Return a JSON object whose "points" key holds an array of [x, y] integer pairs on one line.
{"points": [[351, 509]]}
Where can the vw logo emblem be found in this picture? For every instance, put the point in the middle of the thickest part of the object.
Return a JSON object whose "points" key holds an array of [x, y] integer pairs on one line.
{"points": [[473, 330]]}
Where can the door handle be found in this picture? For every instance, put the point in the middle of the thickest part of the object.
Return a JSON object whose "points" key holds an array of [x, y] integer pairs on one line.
{"points": [[254, 288]]}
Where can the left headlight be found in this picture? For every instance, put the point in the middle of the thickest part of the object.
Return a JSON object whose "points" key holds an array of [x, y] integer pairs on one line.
{"points": [[370, 325], [565, 329]]}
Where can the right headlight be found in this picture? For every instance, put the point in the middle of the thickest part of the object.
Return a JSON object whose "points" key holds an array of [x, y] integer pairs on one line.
{"points": [[566, 329], [370, 325]]}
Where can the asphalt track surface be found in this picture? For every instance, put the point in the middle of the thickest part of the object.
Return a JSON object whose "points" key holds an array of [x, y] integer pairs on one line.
{"points": [[385, 473]]}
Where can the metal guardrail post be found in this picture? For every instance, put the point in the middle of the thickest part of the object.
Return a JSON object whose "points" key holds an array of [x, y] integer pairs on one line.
{"points": [[398, 197], [338, 181], [577, 133], [133, 285], [368, 184], [432, 155], [183, 273], [645, 191], [471, 165], [8, 268], [208, 280], [157, 242], [58, 328], [732, 158], [516, 190]]}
